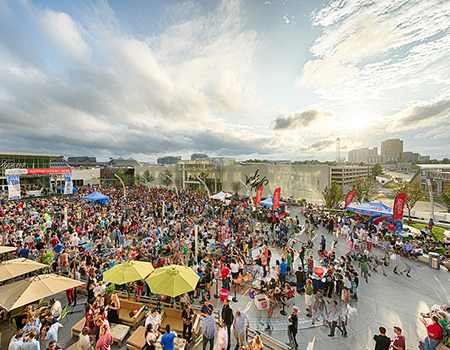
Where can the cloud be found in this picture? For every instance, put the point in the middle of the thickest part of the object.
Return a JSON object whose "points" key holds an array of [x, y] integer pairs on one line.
{"points": [[87, 83], [368, 48], [322, 145], [421, 114], [304, 118]]}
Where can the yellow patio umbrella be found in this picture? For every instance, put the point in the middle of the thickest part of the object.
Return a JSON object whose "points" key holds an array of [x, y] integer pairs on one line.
{"points": [[173, 280], [21, 293], [7, 249], [128, 271], [16, 267]]}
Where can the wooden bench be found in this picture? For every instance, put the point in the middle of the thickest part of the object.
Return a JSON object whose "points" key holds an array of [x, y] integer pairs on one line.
{"points": [[126, 306], [73, 346], [137, 340], [77, 329], [173, 317], [424, 258]]}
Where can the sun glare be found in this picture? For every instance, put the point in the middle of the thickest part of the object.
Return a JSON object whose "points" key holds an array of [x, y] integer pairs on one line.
{"points": [[358, 121]]}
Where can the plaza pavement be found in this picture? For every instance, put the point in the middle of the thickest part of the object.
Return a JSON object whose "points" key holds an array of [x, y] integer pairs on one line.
{"points": [[388, 301]]}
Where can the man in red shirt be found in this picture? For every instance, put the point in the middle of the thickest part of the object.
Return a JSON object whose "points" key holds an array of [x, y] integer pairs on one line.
{"points": [[54, 241], [225, 279]]}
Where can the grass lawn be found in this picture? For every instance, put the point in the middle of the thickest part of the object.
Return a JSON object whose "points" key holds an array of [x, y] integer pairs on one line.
{"points": [[438, 232]]}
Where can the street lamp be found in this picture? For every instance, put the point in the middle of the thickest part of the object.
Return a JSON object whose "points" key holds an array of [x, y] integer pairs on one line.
{"points": [[99, 182], [124, 190], [203, 183], [430, 191]]}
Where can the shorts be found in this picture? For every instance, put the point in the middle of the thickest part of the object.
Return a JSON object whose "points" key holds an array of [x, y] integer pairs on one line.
{"points": [[288, 269], [308, 300]]}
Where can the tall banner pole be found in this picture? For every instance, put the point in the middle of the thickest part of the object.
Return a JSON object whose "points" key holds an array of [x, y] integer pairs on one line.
{"points": [[196, 240]]}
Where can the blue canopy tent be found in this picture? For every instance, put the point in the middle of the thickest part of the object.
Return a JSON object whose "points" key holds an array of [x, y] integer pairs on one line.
{"points": [[96, 197], [61, 190], [268, 202], [371, 209]]}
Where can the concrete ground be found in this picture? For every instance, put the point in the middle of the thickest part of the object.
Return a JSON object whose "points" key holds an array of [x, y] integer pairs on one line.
{"points": [[388, 301]]}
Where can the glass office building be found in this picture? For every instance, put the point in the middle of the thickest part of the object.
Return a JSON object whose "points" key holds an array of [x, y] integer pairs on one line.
{"points": [[25, 161]]}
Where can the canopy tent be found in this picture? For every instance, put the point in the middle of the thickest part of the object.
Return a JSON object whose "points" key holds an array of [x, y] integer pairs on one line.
{"points": [[97, 197], [61, 190], [220, 196], [237, 198], [371, 209], [268, 202]]}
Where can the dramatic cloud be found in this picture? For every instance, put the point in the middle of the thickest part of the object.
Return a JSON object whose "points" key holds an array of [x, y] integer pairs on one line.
{"points": [[301, 119], [352, 61], [421, 114]]}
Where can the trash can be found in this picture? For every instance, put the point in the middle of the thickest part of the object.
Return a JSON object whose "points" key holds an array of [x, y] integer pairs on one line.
{"points": [[434, 261], [262, 302]]}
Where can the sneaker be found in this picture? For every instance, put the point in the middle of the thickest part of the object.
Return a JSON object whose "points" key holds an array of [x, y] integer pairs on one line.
{"points": [[308, 315], [331, 335]]}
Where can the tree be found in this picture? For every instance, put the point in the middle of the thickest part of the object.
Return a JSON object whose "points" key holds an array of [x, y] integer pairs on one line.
{"points": [[123, 176], [445, 196], [166, 177], [413, 194], [377, 169], [333, 195], [236, 186], [147, 178], [365, 189]]}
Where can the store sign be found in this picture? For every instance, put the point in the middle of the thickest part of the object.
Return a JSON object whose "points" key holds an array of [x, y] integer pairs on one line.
{"points": [[51, 171]]}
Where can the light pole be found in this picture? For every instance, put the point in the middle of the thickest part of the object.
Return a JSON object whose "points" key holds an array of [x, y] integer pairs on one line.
{"points": [[124, 190], [206, 187], [99, 182], [430, 191], [174, 183], [248, 192]]}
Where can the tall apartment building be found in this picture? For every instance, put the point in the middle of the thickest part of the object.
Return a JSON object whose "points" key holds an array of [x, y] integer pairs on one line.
{"points": [[391, 150], [362, 155]]}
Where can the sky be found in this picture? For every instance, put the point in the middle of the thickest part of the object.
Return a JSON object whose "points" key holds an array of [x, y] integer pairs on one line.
{"points": [[263, 79]]}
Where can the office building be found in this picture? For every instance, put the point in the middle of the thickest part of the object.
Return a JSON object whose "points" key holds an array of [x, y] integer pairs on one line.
{"points": [[391, 150], [168, 160], [362, 155], [196, 156]]}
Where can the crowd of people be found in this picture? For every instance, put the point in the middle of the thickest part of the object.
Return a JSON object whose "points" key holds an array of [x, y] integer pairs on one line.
{"points": [[82, 239]]}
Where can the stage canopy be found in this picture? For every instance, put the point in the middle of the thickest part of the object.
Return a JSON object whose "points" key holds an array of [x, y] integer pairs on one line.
{"points": [[220, 196], [371, 209]]}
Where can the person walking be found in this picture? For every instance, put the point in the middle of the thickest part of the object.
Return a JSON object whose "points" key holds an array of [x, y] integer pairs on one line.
{"points": [[208, 330], [382, 342], [228, 318], [334, 318], [241, 325], [292, 328]]}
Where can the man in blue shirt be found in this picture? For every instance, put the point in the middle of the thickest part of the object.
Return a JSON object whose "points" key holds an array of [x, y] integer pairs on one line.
{"points": [[167, 342], [208, 330], [283, 271]]}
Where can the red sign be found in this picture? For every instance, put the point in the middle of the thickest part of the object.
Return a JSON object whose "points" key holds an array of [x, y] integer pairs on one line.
{"points": [[259, 195], [276, 198], [50, 171], [399, 204], [349, 198]]}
